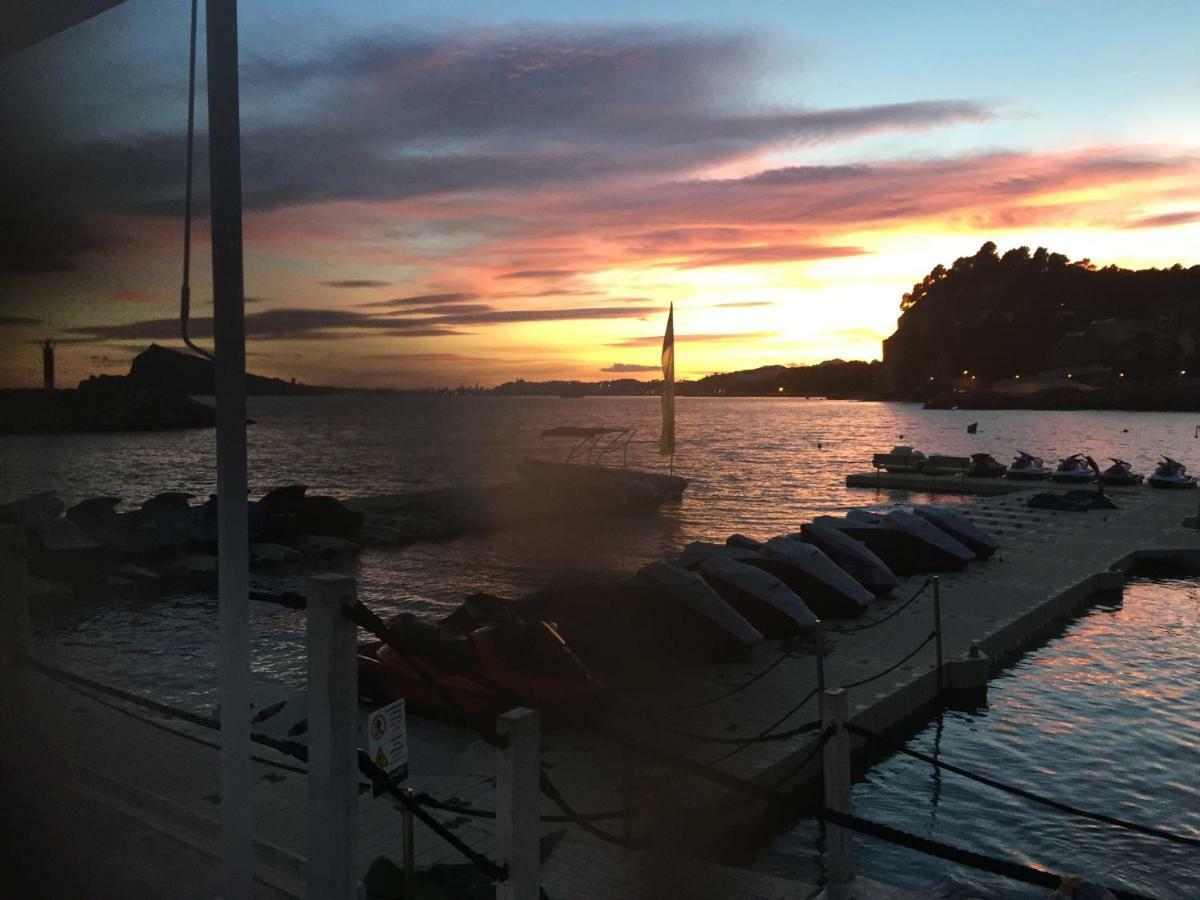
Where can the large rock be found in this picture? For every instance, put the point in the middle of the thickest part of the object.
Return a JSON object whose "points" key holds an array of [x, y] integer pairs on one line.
{"points": [[289, 511]]}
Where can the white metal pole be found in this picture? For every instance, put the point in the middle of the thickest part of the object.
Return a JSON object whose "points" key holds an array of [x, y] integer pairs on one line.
{"points": [[225, 188]]}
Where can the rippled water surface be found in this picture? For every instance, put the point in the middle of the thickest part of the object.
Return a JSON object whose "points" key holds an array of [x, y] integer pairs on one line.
{"points": [[1105, 717]]}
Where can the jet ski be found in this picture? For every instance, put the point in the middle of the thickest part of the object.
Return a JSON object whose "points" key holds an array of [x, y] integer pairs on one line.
{"points": [[1074, 469], [698, 551], [733, 635], [766, 602], [486, 669], [853, 556], [1078, 500], [984, 465], [959, 527], [908, 545], [1027, 467], [1171, 474], [1120, 473], [905, 459]]}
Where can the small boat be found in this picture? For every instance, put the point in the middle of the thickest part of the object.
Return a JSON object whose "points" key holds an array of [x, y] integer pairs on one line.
{"points": [[1073, 469], [484, 669], [1027, 467], [766, 602], [1171, 473], [1120, 473], [852, 555], [959, 527], [984, 465], [584, 480]]}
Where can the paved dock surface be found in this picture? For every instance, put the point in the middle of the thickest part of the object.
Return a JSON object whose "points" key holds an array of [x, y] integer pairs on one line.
{"points": [[1050, 564]]}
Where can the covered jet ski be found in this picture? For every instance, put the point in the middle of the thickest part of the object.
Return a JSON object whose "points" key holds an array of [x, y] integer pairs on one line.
{"points": [[733, 635], [852, 555], [698, 551], [826, 589], [766, 602], [905, 552], [955, 554], [1078, 500], [1171, 474], [1027, 467], [484, 670], [1120, 473], [743, 542], [962, 529], [1073, 469]]}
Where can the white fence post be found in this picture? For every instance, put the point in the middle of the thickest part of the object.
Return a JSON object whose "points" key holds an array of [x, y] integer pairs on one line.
{"points": [[518, 805], [839, 842], [332, 739], [14, 623]]}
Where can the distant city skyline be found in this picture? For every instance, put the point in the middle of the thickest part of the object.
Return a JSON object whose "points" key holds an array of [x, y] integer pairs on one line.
{"points": [[445, 195]]}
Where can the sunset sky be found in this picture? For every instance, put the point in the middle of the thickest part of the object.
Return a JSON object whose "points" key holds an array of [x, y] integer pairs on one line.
{"points": [[436, 194]]}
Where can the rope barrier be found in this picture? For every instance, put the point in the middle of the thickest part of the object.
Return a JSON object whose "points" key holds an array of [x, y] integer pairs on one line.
{"points": [[493, 870], [432, 802], [1027, 795], [195, 739], [892, 668], [708, 701], [744, 742], [770, 728], [551, 791], [867, 626], [930, 847]]}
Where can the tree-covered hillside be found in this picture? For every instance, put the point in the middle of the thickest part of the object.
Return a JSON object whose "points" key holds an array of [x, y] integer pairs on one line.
{"points": [[996, 316]]}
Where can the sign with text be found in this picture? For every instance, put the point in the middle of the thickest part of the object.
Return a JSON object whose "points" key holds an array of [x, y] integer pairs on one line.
{"points": [[387, 741]]}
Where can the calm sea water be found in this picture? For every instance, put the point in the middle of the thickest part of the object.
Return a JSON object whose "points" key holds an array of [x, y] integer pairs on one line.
{"points": [[1105, 717], [1074, 722]]}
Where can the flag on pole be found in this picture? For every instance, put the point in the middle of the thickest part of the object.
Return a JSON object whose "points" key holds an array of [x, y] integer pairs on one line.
{"points": [[667, 442]]}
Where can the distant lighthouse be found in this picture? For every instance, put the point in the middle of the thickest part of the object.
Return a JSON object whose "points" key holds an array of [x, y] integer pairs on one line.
{"points": [[48, 364]]}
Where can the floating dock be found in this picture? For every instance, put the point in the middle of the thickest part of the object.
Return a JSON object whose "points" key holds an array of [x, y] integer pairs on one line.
{"points": [[918, 482], [1051, 565]]}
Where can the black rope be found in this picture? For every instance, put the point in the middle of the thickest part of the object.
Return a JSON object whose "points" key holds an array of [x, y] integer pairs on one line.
{"points": [[1028, 795], [747, 741], [891, 615], [731, 691], [364, 618], [770, 728], [294, 749], [571, 815], [185, 291], [463, 809], [891, 668], [378, 777], [195, 739], [930, 847]]}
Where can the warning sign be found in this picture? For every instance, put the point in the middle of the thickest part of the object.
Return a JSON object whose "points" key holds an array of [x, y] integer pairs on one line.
{"points": [[387, 741]]}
